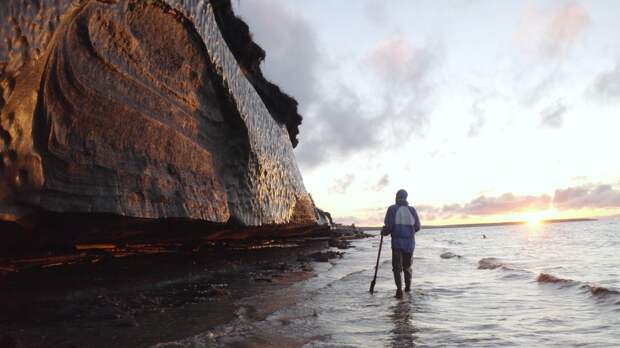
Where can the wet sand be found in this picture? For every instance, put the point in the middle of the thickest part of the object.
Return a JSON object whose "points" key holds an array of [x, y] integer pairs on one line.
{"points": [[143, 300]]}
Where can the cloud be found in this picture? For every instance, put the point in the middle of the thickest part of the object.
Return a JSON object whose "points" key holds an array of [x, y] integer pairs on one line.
{"points": [[382, 183], [364, 217], [479, 96], [571, 198], [506, 203], [293, 56], [375, 13], [404, 72], [342, 184], [606, 86], [587, 196], [339, 129], [540, 88], [553, 115], [400, 63], [551, 32], [478, 112], [338, 125]]}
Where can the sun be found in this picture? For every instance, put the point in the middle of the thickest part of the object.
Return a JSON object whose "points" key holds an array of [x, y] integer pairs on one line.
{"points": [[537, 218], [533, 220]]}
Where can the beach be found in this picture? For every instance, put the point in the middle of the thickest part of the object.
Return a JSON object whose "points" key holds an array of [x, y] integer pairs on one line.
{"points": [[142, 300]]}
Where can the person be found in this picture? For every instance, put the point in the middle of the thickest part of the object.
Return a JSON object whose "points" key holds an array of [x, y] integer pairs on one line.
{"points": [[401, 222]]}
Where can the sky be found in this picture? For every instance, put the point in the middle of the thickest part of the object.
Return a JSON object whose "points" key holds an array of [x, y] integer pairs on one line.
{"points": [[483, 111]]}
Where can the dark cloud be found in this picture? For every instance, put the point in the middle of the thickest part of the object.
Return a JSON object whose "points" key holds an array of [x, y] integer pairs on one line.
{"points": [[606, 86], [382, 183], [293, 56], [335, 126], [342, 184], [478, 112], [340, 129], [587, 196], [553, 116]]}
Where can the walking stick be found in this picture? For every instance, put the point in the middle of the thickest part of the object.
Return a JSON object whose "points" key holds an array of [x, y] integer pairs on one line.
{"points": [[374, 280]]}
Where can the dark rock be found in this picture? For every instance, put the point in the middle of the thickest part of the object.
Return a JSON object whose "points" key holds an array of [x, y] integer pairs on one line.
{"points": [[449, 255], [125, 322], [237, 35], [217, 292], [339, 243], [7, 341], [326, 256]]}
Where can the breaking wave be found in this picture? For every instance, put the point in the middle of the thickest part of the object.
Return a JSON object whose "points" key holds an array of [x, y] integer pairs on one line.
{"points": [[596, 291]]}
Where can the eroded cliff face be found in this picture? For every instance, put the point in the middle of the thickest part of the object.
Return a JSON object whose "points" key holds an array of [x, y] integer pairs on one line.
{"points": [[139, 109]]}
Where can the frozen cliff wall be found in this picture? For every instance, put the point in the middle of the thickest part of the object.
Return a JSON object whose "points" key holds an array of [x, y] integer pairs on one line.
{"points": [[140, 109]]}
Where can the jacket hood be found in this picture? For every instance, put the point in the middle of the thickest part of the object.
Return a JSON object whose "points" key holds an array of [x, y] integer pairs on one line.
{"points": [[401, 197]]}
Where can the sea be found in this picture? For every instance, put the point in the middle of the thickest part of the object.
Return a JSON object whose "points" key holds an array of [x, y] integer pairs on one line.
{"points": [[547, 285]]}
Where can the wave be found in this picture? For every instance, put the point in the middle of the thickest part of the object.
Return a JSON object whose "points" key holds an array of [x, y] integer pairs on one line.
{"points": [[448, 241], [596, 291]]}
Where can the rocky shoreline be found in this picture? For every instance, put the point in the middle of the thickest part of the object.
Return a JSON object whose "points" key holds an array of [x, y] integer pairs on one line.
{"points": [[144, 299]]}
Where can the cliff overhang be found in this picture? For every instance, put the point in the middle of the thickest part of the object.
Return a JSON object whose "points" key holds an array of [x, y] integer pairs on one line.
{"points": [[144, 114]]}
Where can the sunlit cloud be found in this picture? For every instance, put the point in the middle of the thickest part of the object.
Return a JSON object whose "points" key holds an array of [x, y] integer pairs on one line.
{"points": [[420, 91], [405, 73], [587, 196], [509, 206], [551, 31]]}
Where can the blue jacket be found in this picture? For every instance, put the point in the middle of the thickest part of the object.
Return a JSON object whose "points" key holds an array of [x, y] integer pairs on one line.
{"points": [[402, 222]]}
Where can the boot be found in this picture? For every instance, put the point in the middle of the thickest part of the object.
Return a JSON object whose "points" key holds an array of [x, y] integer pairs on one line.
{"points": [[399, 293], [407, 282], [399, 285]]}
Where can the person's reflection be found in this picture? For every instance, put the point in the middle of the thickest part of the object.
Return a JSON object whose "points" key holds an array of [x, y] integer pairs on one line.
{"points": [[404, 332]]}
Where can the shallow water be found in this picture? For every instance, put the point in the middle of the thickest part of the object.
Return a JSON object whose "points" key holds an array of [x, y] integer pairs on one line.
{"points": [[547, 285]]}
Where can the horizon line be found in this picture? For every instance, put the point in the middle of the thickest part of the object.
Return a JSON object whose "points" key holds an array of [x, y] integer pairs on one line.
{"points": [[482, 224]]}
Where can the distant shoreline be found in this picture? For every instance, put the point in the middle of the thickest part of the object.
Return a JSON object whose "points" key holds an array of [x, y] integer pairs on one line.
{"points": [[505, 223]]}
